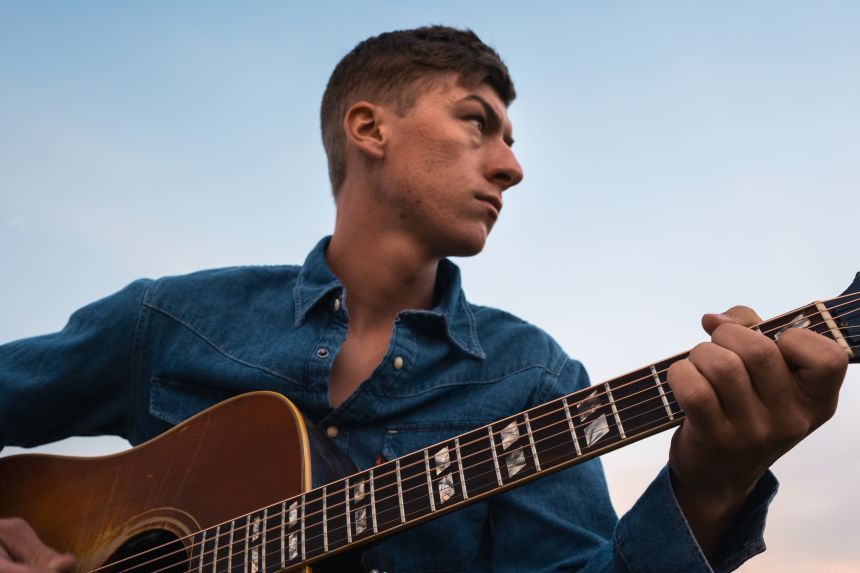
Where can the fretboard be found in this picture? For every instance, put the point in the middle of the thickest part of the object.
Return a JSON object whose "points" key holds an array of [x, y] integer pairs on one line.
{"points": [[445, 476]]}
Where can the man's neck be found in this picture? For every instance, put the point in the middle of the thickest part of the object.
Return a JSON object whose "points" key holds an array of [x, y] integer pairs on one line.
{"points": [[382, 274]]}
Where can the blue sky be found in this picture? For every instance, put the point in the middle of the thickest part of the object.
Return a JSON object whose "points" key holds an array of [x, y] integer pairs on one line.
{"points": [[680, 158]]}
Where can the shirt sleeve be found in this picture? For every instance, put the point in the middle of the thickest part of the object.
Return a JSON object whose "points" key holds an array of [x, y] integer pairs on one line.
{"points": [[75, 381], [565, 521]]}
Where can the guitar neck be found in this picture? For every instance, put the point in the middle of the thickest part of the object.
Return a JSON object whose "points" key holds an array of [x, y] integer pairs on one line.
{"points": [[482, 462]]}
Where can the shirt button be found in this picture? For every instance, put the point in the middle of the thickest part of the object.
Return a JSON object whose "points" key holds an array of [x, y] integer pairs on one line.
{"points": [[336, 305], [331, 432], [398, 363], [322, 353]]}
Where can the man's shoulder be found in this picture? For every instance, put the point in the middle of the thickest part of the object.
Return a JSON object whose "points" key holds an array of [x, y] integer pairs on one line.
{"points": [[238, 287], [228, 278]]}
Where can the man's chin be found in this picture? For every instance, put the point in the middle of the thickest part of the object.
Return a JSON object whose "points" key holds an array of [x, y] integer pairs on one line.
{"points": [[468, 247]]}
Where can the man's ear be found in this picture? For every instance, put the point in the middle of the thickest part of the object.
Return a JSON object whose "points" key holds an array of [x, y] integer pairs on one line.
{"points": [[364, 127]]}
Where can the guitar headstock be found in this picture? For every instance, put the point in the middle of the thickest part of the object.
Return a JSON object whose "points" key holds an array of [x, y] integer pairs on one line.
{"points": [[845, 310]]}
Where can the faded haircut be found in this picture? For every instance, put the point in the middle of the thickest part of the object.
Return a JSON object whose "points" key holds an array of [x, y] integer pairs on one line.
{"points": [[394, 68]]}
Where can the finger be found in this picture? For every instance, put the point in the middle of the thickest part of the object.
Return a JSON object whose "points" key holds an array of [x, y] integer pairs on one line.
{"points": [[695, 395], [820, 363], [725, 371], [767, 370], [23, 546], [742, 315], [60, 564]]}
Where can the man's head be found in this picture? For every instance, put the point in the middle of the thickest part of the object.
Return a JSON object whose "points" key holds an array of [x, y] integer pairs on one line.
{"points": [[394, 68]]}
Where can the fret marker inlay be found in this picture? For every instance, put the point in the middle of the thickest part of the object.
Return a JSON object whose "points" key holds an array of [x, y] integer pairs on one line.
{"points": [[360, 514], [442, 458], [596, 430], [293, 539], [800, 321], [516, 459]]}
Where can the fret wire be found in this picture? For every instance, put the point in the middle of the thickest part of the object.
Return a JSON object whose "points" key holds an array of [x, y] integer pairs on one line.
{"points": [[495, 457], [662, 393], [373, 501], [325, 518], [247, 553], [570, 423], [429, 481], [532, 442], [230, 551], [348, 512], [614, 411], [303, 531], [202, 550], [400, 493], [263, 545], [283, 533], [460, 467]]}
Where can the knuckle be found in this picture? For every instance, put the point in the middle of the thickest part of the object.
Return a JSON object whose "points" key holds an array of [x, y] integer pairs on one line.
{"points": [[744, 314], [835, 357], [726, 365], [761, 355], [14, 525]]}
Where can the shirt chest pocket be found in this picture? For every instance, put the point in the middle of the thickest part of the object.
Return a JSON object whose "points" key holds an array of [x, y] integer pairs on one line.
{"points": [[452, 542]]}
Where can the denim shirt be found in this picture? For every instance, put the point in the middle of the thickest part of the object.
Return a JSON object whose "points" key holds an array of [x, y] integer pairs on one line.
{"points": [[140, 361]]}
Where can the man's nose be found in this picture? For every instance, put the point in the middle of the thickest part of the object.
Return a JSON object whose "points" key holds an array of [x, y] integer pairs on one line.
{"points": [[504, 169]]}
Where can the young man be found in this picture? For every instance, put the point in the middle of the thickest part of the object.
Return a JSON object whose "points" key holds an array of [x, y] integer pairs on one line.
{"points": [[373, 339]]}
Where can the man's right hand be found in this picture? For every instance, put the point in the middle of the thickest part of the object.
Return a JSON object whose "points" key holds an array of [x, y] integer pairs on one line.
{"points": [[21, 550]]}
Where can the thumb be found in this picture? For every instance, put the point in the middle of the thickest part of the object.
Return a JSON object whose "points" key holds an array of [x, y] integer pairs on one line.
{"points": [[62, 563]]}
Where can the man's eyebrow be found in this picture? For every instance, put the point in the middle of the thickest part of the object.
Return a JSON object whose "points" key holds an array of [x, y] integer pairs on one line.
{"points": [[491, 113]]}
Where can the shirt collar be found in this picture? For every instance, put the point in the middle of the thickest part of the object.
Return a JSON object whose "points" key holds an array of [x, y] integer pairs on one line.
{"points": [[316, 282]]}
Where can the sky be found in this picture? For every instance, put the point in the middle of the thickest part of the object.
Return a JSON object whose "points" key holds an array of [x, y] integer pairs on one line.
{"points": [[680, 158]]}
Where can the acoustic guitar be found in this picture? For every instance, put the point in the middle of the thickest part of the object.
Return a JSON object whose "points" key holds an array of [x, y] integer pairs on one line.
{"points": [[195, 498]]}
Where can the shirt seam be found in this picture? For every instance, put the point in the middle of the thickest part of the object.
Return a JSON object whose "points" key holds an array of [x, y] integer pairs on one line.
{"points": [[217, 348]]}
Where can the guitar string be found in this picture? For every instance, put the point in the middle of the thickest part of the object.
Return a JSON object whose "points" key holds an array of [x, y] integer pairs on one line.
{"points": [[421, 486], [438, 480], [368, 505], [277, 551], [195, 543], [590, 398], [475, 453]]}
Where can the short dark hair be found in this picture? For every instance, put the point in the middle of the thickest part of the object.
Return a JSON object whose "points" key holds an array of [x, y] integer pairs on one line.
{"points": [[391, 68]]}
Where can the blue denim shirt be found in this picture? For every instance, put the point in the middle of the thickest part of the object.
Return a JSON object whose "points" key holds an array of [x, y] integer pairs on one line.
{"points": [[138, 362]]}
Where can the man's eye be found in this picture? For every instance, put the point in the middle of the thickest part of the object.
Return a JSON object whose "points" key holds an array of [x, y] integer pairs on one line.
{"points": [[478, 122]]}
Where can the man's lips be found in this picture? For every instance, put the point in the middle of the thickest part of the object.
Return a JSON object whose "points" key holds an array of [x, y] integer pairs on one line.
{"points": [[493, 200]]}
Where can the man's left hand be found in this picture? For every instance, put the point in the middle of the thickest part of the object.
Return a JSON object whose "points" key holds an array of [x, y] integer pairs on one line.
{"points": [[747, 400]]}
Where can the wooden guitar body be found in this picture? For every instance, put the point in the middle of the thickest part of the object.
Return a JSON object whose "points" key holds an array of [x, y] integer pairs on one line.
{"points": [[241, 455]]}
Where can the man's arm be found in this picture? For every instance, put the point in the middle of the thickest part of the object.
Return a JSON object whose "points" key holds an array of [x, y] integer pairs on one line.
{"points": [[75, 381], [748, 400]]}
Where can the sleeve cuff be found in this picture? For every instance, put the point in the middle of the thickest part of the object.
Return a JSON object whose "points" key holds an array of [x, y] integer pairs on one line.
{"points": [[654, 534]]}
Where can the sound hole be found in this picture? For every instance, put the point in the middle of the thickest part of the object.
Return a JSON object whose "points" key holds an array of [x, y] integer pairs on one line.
{"points": [[149, 552]]}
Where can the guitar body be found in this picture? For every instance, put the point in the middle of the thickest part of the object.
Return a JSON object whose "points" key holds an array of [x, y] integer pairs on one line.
{"points": [[234, 458]]}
